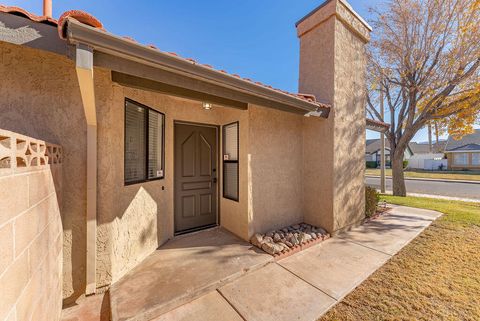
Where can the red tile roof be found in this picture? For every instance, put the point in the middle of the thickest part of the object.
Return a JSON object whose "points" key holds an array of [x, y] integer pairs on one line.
{"points": [[90, 20], [80, 16], [24, 13], [374, 122]]}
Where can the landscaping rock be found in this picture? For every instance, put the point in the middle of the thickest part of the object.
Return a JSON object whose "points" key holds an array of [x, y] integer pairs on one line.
{"points": [[267, 239], [276, 237], [288, 238], [269, 248], [294, 240], [321, 230], [257, 240]]}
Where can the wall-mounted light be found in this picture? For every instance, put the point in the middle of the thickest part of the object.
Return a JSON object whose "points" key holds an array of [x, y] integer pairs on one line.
{"points": [[207, 106]]}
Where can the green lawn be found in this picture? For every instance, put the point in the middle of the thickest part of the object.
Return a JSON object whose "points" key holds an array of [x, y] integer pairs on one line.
{"points": [[459, 175], [435, 277]]}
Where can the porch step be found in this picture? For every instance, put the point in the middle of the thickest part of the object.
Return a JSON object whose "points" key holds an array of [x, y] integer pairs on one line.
{"points": [[181, 271]]}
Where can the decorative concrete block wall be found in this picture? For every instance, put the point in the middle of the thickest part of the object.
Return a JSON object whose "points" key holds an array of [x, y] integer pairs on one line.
{"points": [[31, 235]]}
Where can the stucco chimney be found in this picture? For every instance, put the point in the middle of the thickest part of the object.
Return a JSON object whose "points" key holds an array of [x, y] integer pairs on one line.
{"points": [[332, 67], [47, 8]]}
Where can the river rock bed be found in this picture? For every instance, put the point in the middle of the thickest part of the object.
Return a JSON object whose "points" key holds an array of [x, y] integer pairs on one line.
{"points": [[289, 238]]}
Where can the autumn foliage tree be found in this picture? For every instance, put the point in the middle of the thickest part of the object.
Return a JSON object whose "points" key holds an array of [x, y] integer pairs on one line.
{"points": [[424, 58]]}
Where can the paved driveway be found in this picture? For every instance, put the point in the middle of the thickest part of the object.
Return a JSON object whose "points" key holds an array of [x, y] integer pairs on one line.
{"points": [[460, 190]]}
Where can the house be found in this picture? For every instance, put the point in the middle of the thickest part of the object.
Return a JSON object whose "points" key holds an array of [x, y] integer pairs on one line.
{"points": [[373, 151], [464, 154], [426, 159], [153, 145]]}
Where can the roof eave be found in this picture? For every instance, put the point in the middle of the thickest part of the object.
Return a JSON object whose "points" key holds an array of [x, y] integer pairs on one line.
{"points": [[108, 43]]}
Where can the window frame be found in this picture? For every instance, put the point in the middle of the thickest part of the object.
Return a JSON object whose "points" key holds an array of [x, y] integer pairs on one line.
{"points": [[237, 199], [478, 162], [455, 160], [147, 150]]}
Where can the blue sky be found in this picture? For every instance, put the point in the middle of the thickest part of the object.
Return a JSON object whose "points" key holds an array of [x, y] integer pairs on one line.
{"points": [[256, 39]]}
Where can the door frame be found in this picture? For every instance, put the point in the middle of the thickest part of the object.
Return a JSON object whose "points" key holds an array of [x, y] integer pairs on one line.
{"points": [[217, 162]]}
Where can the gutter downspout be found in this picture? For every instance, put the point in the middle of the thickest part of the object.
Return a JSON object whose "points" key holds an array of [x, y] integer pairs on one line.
{"points": [[84, 69]]}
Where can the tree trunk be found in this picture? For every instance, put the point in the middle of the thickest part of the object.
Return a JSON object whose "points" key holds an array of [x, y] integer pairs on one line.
{"points": [[397, 173]]}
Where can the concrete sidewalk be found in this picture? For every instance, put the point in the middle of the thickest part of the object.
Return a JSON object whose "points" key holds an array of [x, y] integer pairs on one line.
{"points": [[306, 285], [430, 179]]}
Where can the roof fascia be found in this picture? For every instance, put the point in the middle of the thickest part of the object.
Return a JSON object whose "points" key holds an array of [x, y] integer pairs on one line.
{"points": [[113, 45]]}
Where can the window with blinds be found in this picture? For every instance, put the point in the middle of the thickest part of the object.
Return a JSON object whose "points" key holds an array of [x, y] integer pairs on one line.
{"points": [[144, 143], [230, 161], [460, 158]]}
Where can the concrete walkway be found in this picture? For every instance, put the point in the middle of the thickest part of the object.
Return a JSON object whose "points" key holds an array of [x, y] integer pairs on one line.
{"points": [[306, 285], [213, 275]]}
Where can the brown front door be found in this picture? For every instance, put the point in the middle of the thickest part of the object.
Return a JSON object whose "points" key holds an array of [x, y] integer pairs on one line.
{"points": [[195, 177]]}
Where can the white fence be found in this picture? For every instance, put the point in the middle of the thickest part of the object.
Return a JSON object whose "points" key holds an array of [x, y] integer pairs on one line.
{"points": [[435, 165], [427, 162]]}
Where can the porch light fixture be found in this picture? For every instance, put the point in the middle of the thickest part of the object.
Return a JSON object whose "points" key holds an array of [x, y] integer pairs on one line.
{"points": [[207, 106]]}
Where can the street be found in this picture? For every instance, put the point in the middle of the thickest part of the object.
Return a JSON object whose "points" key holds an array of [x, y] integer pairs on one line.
{"points": [[452, 189]]}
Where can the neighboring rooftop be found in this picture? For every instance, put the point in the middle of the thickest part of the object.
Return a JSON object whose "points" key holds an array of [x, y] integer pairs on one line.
{"points": [[471, 139], [466, 148], [424, 147]]}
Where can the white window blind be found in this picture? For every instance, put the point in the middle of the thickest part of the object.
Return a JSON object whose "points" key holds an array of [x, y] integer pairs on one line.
{"points": [[230, 161], [231, 142], [155, 144], [144, 143], [134, 143], [460, 158]]}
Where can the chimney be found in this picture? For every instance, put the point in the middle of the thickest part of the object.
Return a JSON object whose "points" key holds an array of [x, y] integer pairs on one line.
{"points": [[332, 67], [47, 8]]}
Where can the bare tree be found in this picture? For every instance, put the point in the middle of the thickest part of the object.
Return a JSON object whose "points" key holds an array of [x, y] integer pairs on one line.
{"points": [[425, 58]]}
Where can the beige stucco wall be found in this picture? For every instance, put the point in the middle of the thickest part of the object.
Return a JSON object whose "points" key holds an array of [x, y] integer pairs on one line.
{"points": [[30, 235], [332, 67], [41, 98], [134, 220], [276, 168]]}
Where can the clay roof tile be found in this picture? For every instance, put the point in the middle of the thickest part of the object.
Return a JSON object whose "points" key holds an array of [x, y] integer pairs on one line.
{"points": [[80, 16], [24, 13]]}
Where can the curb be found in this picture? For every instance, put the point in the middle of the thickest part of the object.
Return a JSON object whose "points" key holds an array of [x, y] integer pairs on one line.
{"points": [[430, 179]]}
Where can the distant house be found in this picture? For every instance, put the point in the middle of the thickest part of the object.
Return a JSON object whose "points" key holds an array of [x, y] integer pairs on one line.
{"points": [[464, 153], [426, 158], [424, 148], [373, 150]]}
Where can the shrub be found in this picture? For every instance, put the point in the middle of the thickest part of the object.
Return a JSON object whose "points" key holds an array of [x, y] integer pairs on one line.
{"points": [[371, 164], [371, 200], [405, 164]]}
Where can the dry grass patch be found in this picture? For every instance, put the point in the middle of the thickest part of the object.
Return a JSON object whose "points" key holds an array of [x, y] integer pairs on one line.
{"points": [[436, 277]]}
